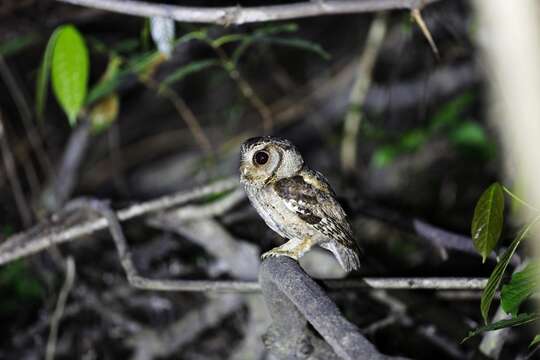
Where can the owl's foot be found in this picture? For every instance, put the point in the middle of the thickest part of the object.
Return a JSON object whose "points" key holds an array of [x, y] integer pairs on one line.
{"points": [[292, 248], [275, 252]]}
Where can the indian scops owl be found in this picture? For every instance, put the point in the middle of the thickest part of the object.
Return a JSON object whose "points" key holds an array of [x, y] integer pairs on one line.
{"points": [[295, 201]]}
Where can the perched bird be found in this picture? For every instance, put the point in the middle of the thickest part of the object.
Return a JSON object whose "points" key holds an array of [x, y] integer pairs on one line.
{"points": [[295, 201]]}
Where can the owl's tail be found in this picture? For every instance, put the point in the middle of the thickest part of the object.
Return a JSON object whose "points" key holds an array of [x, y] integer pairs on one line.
{"points": [[346, 256]]}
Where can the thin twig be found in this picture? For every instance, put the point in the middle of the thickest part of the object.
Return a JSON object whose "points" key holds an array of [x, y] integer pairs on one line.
{"points": [[245, 88], [359, 90], [59, 310], [417, 16], [34, 138], [240, 15], [59, 191], [183, 110], [28, 243], [13, 178]]}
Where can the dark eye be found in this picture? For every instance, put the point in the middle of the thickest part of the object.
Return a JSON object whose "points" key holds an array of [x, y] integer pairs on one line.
{"points": [[260, 157]]}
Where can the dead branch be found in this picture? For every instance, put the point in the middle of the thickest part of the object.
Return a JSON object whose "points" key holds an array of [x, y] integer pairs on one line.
{"points": [[33, 241], [294, 299], [241, 15]]}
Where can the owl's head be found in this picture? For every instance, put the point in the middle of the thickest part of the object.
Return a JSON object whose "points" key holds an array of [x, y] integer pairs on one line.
{"points": [[267, 158]]}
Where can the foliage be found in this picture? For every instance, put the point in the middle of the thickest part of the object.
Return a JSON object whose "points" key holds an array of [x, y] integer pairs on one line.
{"points": [[18, 285], [488, 220], [464, 134], [69, 70], [486, 228], [67, 59], [523, 284], [19, 43]]}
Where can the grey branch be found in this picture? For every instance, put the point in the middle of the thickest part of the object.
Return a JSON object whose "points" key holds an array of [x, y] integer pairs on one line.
{"points": [[293, 299], [40, 238], [242, 15], [112, 220]]}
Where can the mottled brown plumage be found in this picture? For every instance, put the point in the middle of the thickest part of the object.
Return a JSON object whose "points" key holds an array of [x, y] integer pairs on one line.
{"points": [[295, 201]]}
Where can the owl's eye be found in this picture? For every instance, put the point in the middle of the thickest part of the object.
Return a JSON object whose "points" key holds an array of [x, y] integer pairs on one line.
{"points": [[260, 157]]}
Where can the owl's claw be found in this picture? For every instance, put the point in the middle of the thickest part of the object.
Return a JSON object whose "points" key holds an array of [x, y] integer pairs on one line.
{"points": [[279, 252]]}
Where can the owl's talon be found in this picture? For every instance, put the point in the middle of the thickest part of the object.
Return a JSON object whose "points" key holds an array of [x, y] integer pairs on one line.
{"points": [[277, 252]]}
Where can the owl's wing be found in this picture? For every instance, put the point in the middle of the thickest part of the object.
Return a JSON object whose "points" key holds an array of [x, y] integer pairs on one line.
{"points": [[309, 195]]}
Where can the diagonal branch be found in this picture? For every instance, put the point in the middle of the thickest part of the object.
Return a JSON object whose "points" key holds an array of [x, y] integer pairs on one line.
{"points": [[241, 15], [40, 238]]}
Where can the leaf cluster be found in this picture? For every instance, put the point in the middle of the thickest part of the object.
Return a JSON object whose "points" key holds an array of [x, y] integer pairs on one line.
{"points": [[486, 228]]}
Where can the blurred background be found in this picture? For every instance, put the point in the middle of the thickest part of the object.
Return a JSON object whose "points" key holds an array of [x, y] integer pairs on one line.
{"points": [[399, 130]]}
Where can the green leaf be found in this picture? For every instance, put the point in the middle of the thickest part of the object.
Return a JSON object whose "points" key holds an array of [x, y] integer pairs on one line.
{"points": [[488, 220], [497, 274], [449, 114], [469, 134], [523, 284], [220, 41], [13, 46], [189, 69], [535, 341], [412, 140], [299, 44], [42, 82], [384, 155], [70, 68], [521, 319]]}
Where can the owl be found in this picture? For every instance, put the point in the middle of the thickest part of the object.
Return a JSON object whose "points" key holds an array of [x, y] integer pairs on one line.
{"points": [[295, 201]]}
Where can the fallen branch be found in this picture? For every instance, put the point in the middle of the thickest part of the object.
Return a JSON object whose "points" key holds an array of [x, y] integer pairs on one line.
{"points": [[241, 15]]}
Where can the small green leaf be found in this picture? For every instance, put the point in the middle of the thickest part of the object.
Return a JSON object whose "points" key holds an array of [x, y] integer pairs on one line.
{"points": [[189, 69], [497, 274], [299, 44], [450, 112], [535, 341], [42, 82], [384, 156], [521, 319], [18, 43], [70, 68], [488, 220], [522, 285], [412, 140], [220, 41], [469, 134]]}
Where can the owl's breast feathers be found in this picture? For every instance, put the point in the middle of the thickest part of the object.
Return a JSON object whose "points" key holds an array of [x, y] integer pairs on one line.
{"points": [[309, 195]]}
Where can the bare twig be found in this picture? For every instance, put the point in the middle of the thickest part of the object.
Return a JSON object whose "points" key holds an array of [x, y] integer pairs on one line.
{"points": [[241, 15], [245, 88], [13, 178], [358, 93], [62, 186], [59, 310], [13, 249], [417, 16], [36, 142], [183, 110], [24, 244]]}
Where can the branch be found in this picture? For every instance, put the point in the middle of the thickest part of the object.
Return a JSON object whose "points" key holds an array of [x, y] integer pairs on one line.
{"points": [[241, 15], [41, 237], [292, 297]]}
